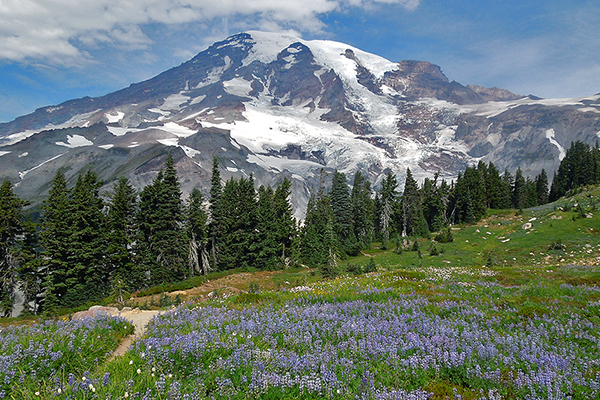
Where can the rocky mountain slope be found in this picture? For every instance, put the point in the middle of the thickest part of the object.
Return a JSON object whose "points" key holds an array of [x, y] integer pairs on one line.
{"points": [[275, 105]]}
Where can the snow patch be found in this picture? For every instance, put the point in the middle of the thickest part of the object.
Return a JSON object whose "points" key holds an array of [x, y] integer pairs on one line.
{"points": [[118, 130], [198, 99], [107, 146], [79, 120], [177, 130], [494, 108], [589, 109], [114, 118], [169, 142], [23, 173], [25, 154], [75, 141], [174, 101], [4, 153], [551, 138], [191, 153], [163, 114], [238, 87], [298, 167]]}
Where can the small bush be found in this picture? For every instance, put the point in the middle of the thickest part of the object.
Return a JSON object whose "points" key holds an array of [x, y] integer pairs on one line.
{"points": [[371, 266], [254, 288], [490, 262], [445, 237], [415, 246], [354, 269], [557, 245]]}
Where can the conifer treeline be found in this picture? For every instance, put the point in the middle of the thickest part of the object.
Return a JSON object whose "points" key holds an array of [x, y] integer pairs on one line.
{"points": [[86, 248]]}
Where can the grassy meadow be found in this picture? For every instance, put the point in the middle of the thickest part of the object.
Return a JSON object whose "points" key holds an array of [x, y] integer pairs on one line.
{"points": [[508, 310]]}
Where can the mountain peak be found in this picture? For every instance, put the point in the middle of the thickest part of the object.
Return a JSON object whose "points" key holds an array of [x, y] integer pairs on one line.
{"points": [[277, 105]]}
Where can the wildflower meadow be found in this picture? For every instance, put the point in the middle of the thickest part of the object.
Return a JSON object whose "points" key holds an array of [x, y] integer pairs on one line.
{"points": [[379, 336]]}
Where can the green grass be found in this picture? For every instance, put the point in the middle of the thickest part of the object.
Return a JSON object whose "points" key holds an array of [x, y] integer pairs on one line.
{"points": [[526, 280]]}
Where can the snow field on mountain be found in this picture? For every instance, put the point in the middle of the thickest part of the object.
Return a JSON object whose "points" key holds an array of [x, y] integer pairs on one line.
{"points": [[75, 141]]}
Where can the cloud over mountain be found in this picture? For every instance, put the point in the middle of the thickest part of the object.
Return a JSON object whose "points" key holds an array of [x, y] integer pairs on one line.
{"points": [[64, 31]]}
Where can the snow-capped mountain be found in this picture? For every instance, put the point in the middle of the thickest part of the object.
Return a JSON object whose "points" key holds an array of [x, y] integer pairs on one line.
{"points": [[275, 105]]}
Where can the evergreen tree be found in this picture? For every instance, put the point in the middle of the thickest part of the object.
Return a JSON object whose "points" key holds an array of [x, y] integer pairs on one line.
{"points": [[414, 222], [196, 228], [216, 213], [121, 231], [55, 237], [11, 229], [31, 275], [161, 237], [285, 221], [267, 244], [506, 191], [87, 275], [467, 196], [239, 207], [377, 212], [435, 202], [318, 247], [519, 193], [362, 210], [579, 167], [493, 187], [530, 193], [341, 207], [541, 187], [388, 198]]}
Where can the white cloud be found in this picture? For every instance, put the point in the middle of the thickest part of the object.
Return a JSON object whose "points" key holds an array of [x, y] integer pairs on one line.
{"points": [[59, 31]]}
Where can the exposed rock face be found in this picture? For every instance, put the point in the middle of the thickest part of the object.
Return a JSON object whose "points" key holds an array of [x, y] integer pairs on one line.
{"points": [[275, 105]]}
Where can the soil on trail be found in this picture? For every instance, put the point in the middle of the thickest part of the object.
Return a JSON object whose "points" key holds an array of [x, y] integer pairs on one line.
{"points": [[139, 319]]}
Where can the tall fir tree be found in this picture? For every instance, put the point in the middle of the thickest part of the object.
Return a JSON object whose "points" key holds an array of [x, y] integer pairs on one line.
{"points": [[11, 229], [414, 223], [341, 207], [161, 238], [55, 237], [493, 187], [362, 210], [318, 247], [121, 230], [88, 274], [216, 213], [435, 202], [388, 198], [519, 193], [266, 245], [31, 275], [196, 229], [579, 167], [285, 221], [541, 187], [506, 191], [239, 223]]}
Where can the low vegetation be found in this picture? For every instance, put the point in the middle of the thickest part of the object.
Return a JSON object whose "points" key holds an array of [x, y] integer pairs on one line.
{"points": [[507, 309]]}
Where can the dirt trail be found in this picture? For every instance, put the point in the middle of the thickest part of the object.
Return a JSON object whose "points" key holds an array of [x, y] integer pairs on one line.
{"points": [[139, 319]]}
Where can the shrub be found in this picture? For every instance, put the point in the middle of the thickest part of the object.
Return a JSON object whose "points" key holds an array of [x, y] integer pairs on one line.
{"points": [[445, 237], [371, 266], [254, 288]]}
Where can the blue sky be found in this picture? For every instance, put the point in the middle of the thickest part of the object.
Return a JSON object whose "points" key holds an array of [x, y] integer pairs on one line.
{"points": [[55, 50]]}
